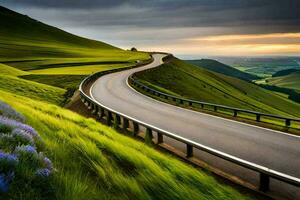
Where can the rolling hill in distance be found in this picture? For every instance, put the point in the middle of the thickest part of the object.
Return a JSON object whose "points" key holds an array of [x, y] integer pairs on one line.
{"points": [[219, 67], [286, 79], [39, 64]]}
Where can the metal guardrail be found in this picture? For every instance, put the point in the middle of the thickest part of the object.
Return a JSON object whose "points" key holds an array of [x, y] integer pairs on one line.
{"points": [[215, 107], [114, 117]]}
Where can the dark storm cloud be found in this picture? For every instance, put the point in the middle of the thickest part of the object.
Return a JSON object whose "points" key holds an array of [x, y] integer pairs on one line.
{"points": [[146, 23], [275, 14]]}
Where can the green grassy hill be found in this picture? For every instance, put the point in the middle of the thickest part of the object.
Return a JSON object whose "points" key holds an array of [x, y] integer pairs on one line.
{"points": [[11, 71], [291, 81], [216, 66], [190, 81], [27, 44], [32, 89], [33, 50]]}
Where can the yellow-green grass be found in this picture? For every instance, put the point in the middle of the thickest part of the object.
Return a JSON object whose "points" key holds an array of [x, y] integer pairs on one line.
{"points": [[7, 70], [62, 81], [93, 161], [196, 83], [32, 89], [80, 70]]}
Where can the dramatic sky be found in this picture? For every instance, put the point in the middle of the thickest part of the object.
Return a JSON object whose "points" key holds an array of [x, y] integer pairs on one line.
{"points": [[183, 27]]}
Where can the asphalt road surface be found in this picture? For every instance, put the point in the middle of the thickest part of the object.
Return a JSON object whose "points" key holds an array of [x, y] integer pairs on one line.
{"points": [[269, 148]]}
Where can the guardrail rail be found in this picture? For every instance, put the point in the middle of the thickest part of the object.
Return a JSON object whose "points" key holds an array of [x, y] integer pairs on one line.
{"points": [[123, 121], [235, 111]]}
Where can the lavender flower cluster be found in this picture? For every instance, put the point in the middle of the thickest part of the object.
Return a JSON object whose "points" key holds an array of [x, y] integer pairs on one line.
{"points": [[18, 149], [9, 112]]}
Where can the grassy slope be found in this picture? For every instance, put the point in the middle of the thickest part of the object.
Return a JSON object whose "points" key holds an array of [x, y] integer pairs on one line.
{"points": [[95, 162], [80, 70], [291, 81], [197, 83], [216, 66], [27, 44], [62, 81], [7, 70], [32, 89]]}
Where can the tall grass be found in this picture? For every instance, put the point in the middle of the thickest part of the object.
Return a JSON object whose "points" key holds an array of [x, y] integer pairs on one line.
{"points": [[93, 161]]}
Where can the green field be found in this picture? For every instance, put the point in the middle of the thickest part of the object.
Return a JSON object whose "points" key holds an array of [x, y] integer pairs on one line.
{"points": [[264, 67], [7, 70], [80, 70], [196, 83]]}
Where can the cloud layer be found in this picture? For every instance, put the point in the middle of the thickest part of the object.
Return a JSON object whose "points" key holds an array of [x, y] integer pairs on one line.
{"points": [[163, 22]]}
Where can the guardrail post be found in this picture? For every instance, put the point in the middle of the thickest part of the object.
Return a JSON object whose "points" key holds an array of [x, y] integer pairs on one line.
{"points": [[160, 138], [95, 110], [189, 151], [287, 122], [125, 123], [180, 101], [109, 118], [202, 105], [136, 129], [215, 108], [90, 106], [148, 136], [190, 103], [101, 113], [258, 117], [264, 182], [117, 121], [174, 99], [235, 113]]}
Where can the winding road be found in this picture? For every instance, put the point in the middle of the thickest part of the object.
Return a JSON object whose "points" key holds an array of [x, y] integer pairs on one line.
{"points": [[269, 148]]}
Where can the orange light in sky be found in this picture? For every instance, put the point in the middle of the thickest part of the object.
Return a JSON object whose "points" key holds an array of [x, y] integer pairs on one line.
{"points": [[238, 45], [247, 37]]}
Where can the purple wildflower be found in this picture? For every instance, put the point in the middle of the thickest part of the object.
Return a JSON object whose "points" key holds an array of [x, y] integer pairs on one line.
{"points": [[43, 172], [7, 162], [22, 136], [8, 157], [9, 112], [48, 163], [28, 149], [14, 124], [4, 186]]}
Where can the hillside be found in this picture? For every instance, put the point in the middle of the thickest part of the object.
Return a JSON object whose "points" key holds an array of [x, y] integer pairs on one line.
{"points": [[11, 71], [285, 72], [192, 82], [27, 44], [219, 67], [291, 80]]}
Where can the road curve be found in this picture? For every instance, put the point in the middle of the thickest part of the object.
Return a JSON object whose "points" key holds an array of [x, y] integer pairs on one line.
{"points": [[269, 148]]}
